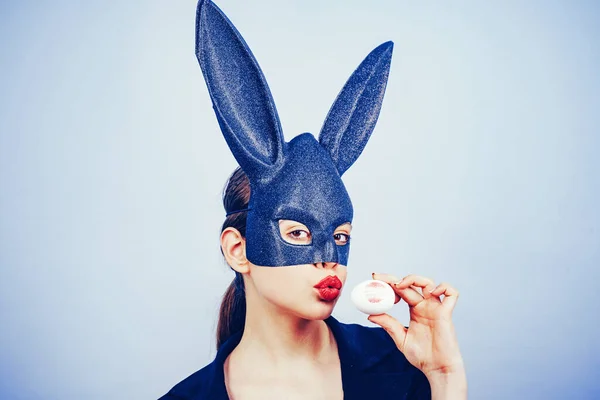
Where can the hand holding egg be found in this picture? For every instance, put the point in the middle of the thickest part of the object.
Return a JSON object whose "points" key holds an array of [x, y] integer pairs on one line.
{"points": [[429, 342]]}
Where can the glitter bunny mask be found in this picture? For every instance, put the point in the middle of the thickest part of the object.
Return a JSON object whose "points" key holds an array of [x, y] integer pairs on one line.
{"points": [[298, 180]]}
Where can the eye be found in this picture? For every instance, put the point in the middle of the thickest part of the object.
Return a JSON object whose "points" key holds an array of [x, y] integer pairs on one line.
{"points": [[294, 232], [341, 238], [342, 234], [299, 234]]}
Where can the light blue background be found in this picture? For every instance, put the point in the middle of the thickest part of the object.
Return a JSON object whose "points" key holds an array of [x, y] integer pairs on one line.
{"points": [[482, 171]]}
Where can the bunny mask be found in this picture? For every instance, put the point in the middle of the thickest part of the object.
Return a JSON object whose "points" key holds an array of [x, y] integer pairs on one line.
{"points": [[299, 180]]}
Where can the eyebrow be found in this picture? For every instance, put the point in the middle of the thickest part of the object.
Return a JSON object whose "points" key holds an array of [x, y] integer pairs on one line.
{"points": [[291, 223], [299, 215], [345, 224]]}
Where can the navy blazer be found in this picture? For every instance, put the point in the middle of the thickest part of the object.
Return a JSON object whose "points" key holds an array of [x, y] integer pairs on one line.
{"points": [[372, 368]]}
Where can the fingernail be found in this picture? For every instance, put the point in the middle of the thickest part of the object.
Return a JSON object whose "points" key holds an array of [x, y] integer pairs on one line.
{"points": [[398, 282], [373, 275]]}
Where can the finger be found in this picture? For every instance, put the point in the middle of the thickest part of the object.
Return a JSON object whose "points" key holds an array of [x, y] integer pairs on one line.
{"points": [[390, 279], [409, 295], [419, 281], [427, 293], [392, 326], [449, 292]]}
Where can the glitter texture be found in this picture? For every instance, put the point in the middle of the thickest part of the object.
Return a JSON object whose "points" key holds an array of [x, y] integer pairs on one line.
{"points": [[299, 180]]}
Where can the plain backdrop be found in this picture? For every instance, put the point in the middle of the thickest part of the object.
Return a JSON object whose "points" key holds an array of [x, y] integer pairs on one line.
{"points": [[482, 171]]}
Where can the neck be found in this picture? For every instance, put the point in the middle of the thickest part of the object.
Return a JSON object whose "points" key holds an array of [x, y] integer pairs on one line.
{"points": [[279, 335]]}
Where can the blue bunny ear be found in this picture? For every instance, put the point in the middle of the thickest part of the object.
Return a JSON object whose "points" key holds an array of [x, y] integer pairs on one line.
{"points": [[240, 95], [352, 117]]}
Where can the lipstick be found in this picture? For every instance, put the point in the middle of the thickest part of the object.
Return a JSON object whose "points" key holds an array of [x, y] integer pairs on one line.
{"points": [[329, 288]]}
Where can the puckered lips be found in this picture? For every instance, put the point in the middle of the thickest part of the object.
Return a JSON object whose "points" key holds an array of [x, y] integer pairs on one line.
{"points": [[329, 288]]}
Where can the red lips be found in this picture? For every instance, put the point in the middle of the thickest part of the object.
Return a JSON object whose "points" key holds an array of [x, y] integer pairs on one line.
{"points": [[330, 281], [329, 288]]}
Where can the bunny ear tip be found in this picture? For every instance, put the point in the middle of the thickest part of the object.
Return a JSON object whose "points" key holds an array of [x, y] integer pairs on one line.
{"points": [[383, 51], [386, 47], [204, 11], [202, 2], [202, 8]]}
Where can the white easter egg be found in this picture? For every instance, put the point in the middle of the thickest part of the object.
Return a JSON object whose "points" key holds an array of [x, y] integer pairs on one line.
{"points": [[373, 297]]}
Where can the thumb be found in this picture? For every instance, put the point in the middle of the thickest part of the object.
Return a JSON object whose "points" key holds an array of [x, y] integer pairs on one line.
{"points": [[392, 326]]}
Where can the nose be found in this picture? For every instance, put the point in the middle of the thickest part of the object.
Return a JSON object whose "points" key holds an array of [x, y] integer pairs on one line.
{"points": [[329, 251], [326, 265]]}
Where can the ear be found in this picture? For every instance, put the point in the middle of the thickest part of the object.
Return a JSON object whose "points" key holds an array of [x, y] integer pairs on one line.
{"points": [[240, 95], [352, 117], [233, 247]]}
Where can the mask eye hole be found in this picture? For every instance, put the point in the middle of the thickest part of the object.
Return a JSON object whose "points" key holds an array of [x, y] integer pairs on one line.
{"points": [[342, 234], [294, 232]]}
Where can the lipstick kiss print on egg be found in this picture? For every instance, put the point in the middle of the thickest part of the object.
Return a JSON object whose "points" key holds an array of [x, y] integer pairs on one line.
{"points": [[373, 292]]}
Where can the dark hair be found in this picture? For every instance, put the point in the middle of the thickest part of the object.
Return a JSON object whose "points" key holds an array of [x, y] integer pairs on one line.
{"points": [[232, 313]]}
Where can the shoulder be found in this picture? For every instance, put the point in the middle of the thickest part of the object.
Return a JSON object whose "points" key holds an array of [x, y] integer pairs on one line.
{"points": [[209, 382], [192, 387]]}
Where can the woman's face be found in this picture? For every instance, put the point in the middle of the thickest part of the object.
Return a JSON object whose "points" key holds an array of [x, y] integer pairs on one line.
{"points": [[291, 289]]}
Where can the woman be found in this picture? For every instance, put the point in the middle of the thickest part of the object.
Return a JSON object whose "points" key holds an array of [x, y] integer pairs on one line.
{"points": [[287, 237], [277, 339]]}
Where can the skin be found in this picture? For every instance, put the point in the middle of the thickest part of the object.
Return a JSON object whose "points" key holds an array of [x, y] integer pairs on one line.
{"points": [[429, 343], [287, 350]]}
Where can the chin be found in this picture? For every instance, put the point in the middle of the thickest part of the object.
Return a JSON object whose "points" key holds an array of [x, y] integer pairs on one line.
{"points": [[321, 310]]}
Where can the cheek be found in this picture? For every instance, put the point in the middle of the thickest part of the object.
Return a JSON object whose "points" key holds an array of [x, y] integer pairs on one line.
{"points": [[342, 273], [280, 284], [292, 287]]}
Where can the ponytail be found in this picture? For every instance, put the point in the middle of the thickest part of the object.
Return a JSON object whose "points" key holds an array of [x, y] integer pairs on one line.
{"points": [[232, 313]]}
